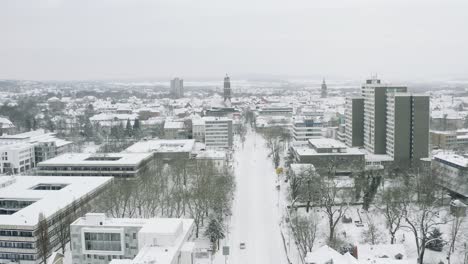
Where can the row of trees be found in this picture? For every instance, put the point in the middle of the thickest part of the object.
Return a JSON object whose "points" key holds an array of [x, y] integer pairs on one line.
{"points": [[182, 188], [408, 202]]}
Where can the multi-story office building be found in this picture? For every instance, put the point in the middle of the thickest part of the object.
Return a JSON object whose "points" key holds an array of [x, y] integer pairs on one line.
{"points": [[177, 87], [407, 126], [16, 158], [354, 122], [304, 129], [218, 132], [96, 239], [24, 198], [452, 172], [198, 129], [119, 165], [46, 145]]}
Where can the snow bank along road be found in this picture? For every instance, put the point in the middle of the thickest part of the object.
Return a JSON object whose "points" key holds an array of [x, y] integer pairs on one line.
{"points": [[255, 220]]}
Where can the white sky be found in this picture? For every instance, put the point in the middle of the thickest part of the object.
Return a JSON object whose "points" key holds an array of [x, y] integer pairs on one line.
{"points": [[129, 39]]}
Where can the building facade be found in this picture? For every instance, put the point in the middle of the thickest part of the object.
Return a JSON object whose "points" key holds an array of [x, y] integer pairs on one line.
{"points": [[218, 132], [97, 239], [452, 173], [119, 165], [354, 122], [24, 198], [177, 87], [304, 129]]}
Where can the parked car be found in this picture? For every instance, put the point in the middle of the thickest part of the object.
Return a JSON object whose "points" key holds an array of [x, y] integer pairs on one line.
{"points": [[242, 245]]}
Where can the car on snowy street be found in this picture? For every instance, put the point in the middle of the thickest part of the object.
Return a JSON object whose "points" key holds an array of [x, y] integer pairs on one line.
{"points": [[242, 245]]}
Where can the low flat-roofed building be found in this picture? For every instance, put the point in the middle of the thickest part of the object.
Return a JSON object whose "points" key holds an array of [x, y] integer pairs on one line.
{"points": [[452, 171], [164, 148], [119, 165], [97, 239], [24, 198], [329, 154]]}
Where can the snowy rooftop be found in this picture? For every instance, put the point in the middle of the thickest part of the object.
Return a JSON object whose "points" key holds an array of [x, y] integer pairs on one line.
{"points": [[211, 154], [173, 125], [45, 201], [5, 123], [382, 254], [326, 254], [298, 168], [453, 159], [101, 159], [162, 145], [322, 143]]}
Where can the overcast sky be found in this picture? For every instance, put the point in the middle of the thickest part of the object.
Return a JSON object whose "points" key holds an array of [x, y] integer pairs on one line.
{"points": [[140, 39]]}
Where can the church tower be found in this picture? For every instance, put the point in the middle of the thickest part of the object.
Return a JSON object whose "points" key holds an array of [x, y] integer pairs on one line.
{"points": [[324, 93], [227, 88]]}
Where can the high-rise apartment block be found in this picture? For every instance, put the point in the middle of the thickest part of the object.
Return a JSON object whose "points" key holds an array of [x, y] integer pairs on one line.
{"points": [[389, 120], [354, 122], [177, 87]]}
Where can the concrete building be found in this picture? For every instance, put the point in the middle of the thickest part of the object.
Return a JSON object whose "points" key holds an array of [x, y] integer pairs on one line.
{"points": [[218, 132], [395, 122], [46, 145], [452, 171], [177, 88], [23, 198], [354, 122], [304, 129], [16, 158], [174, 130], [119, 165], [443, 139], [375, 114], [198, 129], [407, 126], [326, 153], [96, 239], [227, 89]]}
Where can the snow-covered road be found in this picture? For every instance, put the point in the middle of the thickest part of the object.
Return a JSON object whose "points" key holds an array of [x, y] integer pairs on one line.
{"points": [[255, 220]]}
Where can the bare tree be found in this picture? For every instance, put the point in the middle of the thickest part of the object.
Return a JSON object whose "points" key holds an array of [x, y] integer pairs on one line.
{"points": [[63, 230], [372, 233], [391, 206], [305, 231], [423, 215], [42, 238], [333, 203], [457, 222]]}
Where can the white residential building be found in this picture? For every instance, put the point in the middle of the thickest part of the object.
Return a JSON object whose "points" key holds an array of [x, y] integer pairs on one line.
{"points": [[16, 158], [96, 239], [24, 198], [46, 145], [218, 132]]}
